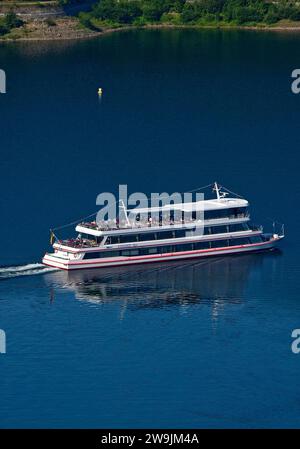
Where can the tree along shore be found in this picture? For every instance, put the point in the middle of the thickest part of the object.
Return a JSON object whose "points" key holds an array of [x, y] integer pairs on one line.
{"points": [[67, 19]]}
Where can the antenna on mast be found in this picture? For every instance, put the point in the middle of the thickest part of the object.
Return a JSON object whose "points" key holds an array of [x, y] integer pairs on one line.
{"points": [[217, 190], [122, 205]]}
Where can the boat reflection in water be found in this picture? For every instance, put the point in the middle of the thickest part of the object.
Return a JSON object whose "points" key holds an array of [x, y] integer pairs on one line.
{"points": [[217, 281]]}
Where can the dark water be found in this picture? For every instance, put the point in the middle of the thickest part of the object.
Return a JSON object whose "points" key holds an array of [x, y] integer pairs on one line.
{"points": [[203, 344]]}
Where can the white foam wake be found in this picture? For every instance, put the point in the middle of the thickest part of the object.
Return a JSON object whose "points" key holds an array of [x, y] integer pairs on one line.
{"points": [[24, 270]]}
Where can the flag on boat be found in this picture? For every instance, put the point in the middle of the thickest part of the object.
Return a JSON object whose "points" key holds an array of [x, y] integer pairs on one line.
{"points": [[52, 237]]}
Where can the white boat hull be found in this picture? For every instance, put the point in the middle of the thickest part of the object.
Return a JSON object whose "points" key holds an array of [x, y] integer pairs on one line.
{"points": [[66, 264]]}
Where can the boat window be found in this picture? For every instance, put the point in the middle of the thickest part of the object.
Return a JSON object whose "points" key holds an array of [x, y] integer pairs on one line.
{"points": [[256, 239], [152, 250], [179, 233], [167, 249], [146, 251], [219, 243], [201, 245], [91, 255], [212, 214], [130, 252], [109, 254], [224, 213], [147, 236], [236, 227], [219, 229], [186, 247], [128, 238], [165, 235], [100, 254], [112, 239], [235, 242], [162, 235]]}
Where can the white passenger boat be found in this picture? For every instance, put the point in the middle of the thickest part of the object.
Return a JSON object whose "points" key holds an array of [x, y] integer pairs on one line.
{"points": [[224, 228]]}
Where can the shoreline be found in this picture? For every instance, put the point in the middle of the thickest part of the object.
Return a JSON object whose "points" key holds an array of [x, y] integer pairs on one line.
{"points": [[105, 31]]}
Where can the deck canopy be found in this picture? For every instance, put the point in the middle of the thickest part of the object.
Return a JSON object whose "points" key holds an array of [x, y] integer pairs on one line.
{"points": [[223, 203]]}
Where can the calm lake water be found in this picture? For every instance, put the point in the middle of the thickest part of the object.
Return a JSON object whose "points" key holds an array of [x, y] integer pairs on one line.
{"points": [[201, 344]]}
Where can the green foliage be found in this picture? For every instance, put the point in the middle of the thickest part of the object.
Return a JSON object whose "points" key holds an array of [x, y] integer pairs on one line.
{"points": [[271, 17], [3, 27], [8, 22], [154, 9], [171, 18], [50, 22], [128, 11], [295, 14], [70, 2], [189, 13], [140, 21], [123, 11], [244, 14], [12, 20], [106, 10], [141, 12], [86, 20], [177, 5], [211, 6]]}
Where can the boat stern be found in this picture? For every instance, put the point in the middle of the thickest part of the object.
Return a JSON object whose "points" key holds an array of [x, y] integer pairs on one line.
{"points": [[62, 258], [51, 260]]}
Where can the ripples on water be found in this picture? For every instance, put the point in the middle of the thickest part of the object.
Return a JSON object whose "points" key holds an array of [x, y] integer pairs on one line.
{"points": [[23, 270], [191, 344], [155, 285], [138, 333], [161, 285]]}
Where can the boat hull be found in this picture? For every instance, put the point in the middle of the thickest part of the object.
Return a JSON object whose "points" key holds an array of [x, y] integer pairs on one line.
{"points": [[65, 264]]}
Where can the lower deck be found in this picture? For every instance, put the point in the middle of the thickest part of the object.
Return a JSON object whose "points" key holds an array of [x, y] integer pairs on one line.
{"points": [[108, 260]]}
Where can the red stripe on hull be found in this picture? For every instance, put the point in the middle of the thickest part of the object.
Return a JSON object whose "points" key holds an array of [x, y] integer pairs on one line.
{"points": [[161, 258]]}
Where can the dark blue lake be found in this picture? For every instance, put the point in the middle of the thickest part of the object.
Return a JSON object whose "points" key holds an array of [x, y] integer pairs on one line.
{"points": [[199, 344]]}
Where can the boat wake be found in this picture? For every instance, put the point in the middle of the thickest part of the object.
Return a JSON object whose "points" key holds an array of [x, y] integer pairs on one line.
{"points": [[24, 270]]}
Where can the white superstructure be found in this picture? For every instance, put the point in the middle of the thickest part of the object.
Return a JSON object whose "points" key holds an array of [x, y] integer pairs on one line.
{"points": [[179, 231]]}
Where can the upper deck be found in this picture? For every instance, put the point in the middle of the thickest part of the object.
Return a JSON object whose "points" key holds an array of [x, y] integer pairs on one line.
{"points": [[216, 211]]}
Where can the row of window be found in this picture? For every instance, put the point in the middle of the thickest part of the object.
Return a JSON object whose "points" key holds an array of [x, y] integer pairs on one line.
{"points": [[174, 248], [225, 229], [143, 237], [208, 214], [173, 234], [223, 213]]}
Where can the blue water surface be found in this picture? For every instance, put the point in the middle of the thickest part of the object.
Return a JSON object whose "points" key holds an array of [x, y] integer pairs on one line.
{"points": [[191, 344]]}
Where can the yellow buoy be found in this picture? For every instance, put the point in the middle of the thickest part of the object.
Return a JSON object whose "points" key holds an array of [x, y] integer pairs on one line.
{"points": [[100, 91]]}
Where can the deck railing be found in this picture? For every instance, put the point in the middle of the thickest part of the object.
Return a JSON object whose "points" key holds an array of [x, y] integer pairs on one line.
{"points": [[111, 225], [77, 243], [89, 243]]}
